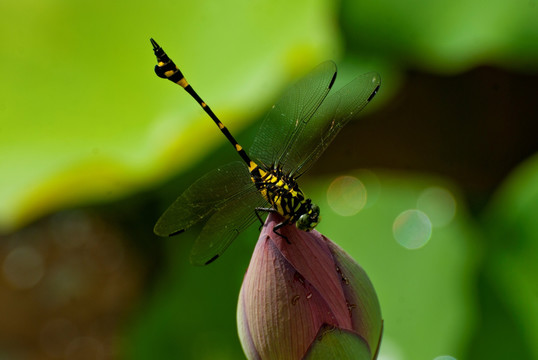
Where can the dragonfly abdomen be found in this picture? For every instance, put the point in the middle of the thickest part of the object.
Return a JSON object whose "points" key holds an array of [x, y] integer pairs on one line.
{"points": [[167, 69]]}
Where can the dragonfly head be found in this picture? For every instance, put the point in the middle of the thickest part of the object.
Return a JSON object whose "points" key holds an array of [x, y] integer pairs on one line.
{"points": [[310, 218]]}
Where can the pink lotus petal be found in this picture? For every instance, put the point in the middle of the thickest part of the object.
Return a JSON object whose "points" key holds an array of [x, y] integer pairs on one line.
{"points": [[310, 255], [361, 297]]}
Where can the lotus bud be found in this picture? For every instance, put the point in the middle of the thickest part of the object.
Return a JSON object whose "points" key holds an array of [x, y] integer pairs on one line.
{"points": [[303, 297]]}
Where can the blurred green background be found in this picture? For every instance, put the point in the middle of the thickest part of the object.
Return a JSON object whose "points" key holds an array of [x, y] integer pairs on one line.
{"points": [[441, 170]]}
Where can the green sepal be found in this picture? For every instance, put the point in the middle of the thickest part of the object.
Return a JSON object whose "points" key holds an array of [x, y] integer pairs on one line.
{"points": [[333, 343]]}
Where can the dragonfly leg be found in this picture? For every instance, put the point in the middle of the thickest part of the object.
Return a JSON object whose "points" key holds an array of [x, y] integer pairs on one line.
{"points": [[265, 210], [276, 228]]}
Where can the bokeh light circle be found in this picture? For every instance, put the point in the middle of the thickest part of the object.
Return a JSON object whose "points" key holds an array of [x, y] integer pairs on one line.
{"points": [[439, 204], [346, 195], [23, 267], [412, 229]]}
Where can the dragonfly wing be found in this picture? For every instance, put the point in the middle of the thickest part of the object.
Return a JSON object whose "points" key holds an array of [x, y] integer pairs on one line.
{"points": [[287, 117], [225, 225], [331, 116], [203, 198]]}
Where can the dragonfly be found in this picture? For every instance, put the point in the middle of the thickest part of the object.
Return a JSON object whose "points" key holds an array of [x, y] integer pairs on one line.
{"points": [[293, 135]]}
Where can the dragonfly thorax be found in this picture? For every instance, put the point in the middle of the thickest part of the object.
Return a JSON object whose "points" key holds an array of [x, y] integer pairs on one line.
{"points": [[284, 195]]}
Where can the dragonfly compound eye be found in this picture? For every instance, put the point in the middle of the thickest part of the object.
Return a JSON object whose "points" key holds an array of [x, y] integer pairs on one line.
{"points": [[309, 220]]}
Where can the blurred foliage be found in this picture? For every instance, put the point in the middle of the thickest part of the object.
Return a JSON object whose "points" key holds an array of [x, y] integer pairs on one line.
{"points": [[85, 124], [444, 36], [83, 110], [509, 280]]}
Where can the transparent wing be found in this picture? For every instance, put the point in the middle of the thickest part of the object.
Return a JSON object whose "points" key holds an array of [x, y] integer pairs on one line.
{"points": [[291, 113], [331, 116], [225, 225], [203, 198]]}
